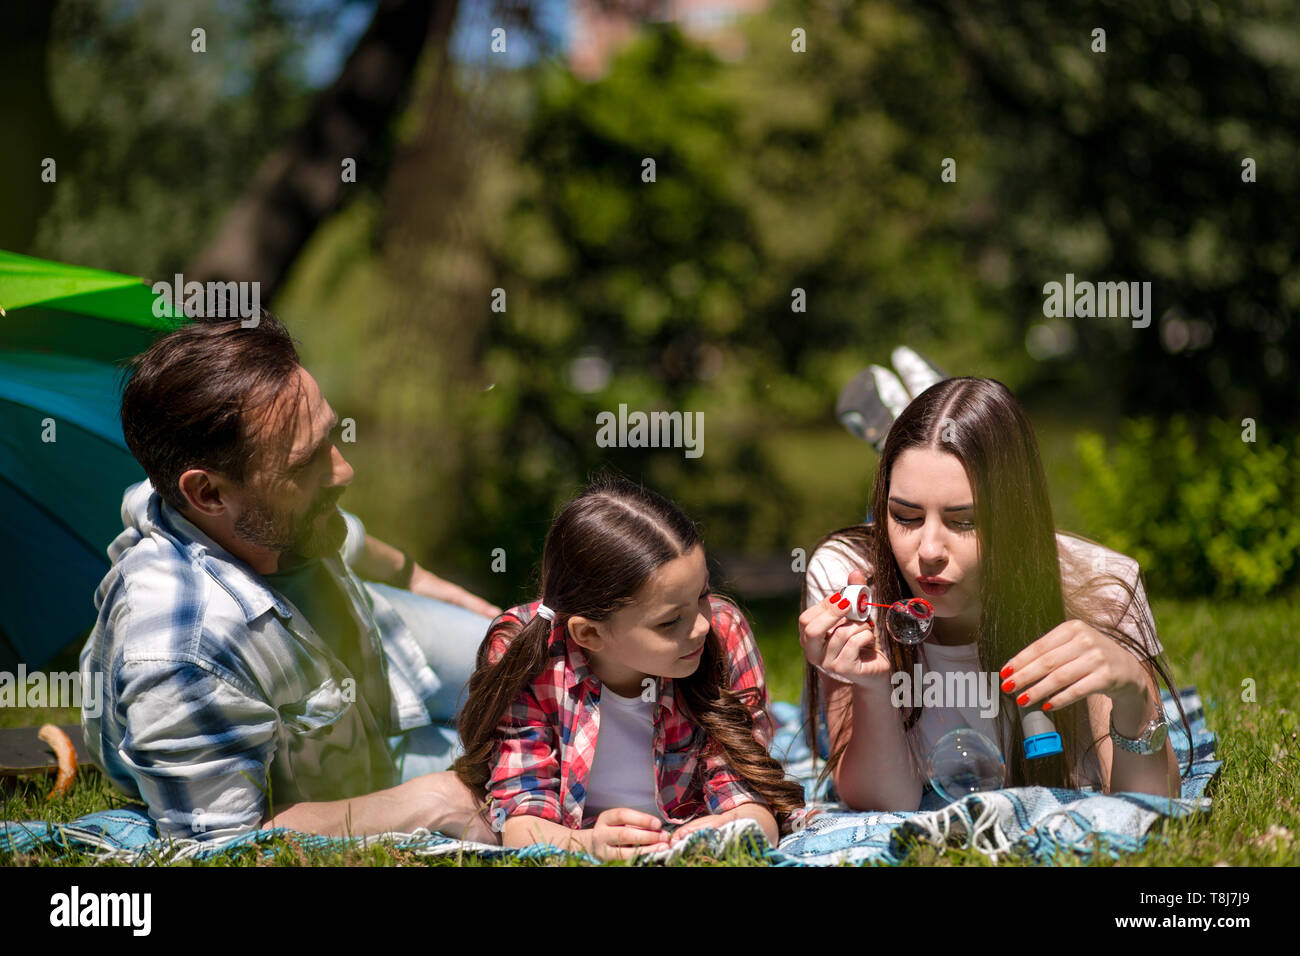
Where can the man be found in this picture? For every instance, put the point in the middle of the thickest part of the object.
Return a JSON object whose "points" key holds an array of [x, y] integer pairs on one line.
{"points": [[251, 679]]}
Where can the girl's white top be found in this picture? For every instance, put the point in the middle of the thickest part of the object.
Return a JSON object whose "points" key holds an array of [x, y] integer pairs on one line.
{"points": [[622, 772]]}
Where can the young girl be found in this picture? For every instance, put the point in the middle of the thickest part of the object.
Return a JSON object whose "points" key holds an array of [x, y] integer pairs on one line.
{"points": [[629, 700], [1060, 623]]}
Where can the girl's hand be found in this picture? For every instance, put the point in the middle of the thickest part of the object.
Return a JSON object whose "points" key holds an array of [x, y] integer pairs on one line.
{"points": [[1068, 663], [753, 811], [699, 823], [842, 650], [622, 833]]}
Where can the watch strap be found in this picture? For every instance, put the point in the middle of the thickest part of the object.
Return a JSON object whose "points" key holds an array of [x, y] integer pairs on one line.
{"points": [[1142, 744]]}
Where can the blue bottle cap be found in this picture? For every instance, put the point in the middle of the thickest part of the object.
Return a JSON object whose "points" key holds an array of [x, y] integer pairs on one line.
{"points": [[1042, 745]]}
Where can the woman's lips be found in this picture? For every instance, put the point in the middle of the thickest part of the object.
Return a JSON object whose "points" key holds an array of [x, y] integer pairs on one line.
{"points": [[933, 587], [694, 654]]}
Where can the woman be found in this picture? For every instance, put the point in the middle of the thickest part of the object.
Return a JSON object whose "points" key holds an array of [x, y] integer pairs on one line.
{"points": [[964, 522]]}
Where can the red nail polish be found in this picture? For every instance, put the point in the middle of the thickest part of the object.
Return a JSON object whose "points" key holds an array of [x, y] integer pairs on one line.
{"points": [[1047, 706], [1008, 686], [1022, 699], [836, 598], [1005, 672], [844, 605]]}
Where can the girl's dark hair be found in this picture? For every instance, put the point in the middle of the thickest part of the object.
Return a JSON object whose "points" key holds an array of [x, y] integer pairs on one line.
{"points": [[601, 550], [187, 402], [1022, 593]]}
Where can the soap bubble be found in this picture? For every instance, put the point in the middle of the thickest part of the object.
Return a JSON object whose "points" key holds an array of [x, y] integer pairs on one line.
{"points": [[910, 622], [964, 761]]}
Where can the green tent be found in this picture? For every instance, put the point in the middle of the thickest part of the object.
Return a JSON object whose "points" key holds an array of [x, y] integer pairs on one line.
{"points": [[63, 461]]}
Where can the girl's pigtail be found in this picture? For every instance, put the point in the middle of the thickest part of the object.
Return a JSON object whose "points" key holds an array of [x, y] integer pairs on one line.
{"points": [[493, 688]]}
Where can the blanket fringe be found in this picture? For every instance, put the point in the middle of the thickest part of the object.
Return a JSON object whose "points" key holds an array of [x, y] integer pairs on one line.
{"points": [[982, 832]]}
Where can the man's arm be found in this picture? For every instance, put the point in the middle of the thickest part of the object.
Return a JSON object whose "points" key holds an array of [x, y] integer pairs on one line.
{"points": [[378, 561], [198, 747], [436, 801]]}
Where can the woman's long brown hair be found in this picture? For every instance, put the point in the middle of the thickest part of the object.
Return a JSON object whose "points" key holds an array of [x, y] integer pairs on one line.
{"points": [[1022, 594], [599, 553]]}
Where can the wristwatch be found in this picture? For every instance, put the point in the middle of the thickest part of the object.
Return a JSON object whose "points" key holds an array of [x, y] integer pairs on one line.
{"points": [[1151, 740]]}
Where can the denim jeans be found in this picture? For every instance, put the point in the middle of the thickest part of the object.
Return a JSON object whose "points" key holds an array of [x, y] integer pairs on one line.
{"points": [[450, 637]]}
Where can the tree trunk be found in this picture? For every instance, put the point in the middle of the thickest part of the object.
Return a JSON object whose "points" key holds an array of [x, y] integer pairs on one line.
{"points": [[301, 184], [32, 131]]}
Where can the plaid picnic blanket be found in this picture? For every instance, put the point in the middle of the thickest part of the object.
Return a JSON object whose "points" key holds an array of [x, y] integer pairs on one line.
{"points": [[1035, 821]]}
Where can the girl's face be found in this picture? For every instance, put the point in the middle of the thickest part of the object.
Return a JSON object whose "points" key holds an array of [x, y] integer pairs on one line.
{"points": [[660, 634], [932, 533]]}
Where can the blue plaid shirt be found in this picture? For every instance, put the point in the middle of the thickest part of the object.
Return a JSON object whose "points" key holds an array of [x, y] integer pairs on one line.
{"points": [[217, 689]]}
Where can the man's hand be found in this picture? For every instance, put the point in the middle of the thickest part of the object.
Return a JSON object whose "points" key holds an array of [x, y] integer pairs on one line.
{"points": [[430, 585], [435, 801]]}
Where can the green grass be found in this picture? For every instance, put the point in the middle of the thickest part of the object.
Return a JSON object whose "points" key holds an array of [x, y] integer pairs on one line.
{"points": [[1215, 646]]}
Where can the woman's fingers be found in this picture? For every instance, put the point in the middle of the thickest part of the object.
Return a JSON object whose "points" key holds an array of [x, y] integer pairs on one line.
{"points": [[1022, 663], [816, 624], [840, 637], [860, 653], [1064, 687]]}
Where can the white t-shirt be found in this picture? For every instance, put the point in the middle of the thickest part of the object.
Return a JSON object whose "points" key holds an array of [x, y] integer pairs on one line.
{"points": [[622, 772], [828, 572]]}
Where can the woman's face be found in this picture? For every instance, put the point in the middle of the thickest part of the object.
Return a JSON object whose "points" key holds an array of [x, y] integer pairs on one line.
{"points": [[932, 533]]}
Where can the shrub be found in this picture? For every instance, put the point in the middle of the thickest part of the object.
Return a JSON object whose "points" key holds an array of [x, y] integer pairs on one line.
{"points": [[1203, 511]]}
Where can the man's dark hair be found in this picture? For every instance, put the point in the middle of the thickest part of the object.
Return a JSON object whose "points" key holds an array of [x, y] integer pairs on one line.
{"points": [[187, 401]]}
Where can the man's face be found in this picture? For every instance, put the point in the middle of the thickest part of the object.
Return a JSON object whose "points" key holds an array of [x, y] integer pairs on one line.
{"points": [[290, 502]]}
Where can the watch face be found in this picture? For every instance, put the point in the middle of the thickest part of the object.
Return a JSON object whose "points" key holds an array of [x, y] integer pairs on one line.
{"points": [[1158, 736]]}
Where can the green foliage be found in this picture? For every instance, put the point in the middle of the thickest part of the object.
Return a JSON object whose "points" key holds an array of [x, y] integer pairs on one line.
{"points": [[163, 139], [1203, 513], [818, 171]]}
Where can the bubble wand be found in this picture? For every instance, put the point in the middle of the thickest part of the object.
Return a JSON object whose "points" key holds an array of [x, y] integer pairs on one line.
{"points": [[909, 622]]}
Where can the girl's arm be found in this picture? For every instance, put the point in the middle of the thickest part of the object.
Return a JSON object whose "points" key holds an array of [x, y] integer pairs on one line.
{"points": [[525, 829]]}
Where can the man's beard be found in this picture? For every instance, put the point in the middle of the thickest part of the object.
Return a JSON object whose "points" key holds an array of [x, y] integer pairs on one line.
{"points": [[261, 525]]}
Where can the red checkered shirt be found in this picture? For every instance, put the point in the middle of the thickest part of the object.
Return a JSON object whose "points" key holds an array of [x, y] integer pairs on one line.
{"points": [[547, 737]]}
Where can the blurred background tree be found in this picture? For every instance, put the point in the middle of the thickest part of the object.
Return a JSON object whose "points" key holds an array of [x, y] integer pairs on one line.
{"points": [[776, 171]]}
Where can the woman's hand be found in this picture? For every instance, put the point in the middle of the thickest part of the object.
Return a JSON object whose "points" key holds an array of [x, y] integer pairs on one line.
{"points": [[1071, 661], [622, 833], [842, 650]]}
